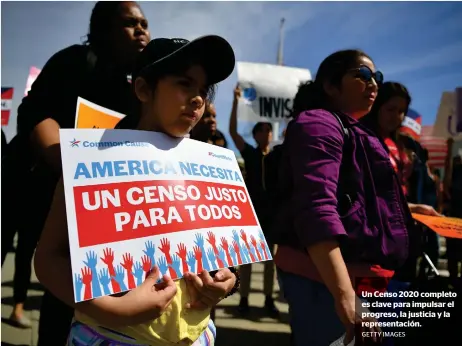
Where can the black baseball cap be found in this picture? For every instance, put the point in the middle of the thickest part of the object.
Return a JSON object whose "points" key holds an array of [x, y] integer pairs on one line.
{"points": [[212, 52]]}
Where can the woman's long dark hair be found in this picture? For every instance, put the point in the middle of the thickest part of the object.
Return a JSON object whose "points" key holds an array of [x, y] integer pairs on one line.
{"points": [[386, 92], [311, 95]]}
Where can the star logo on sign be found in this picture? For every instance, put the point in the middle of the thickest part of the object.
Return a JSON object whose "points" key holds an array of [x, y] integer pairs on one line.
{"points": [[75, 143]]}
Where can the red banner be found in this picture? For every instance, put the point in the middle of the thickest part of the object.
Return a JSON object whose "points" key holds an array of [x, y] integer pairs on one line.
{"points": [[115, 212]]}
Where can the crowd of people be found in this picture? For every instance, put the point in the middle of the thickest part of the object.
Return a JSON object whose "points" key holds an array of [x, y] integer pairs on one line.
{"points": [[334, 200]]}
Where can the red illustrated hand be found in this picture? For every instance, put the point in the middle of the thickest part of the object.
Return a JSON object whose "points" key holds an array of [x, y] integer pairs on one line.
{"points": [[212, 241], [238, 253], [108, 258], [165, 248], [224, 243], [263, 246], [146, 263], [128, 264], [243, 236], [198, 255], [254, 243], [182, 253], [86, 279]]}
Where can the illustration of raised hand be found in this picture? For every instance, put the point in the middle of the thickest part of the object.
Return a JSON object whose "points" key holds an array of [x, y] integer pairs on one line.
{"points": [[128, 265], [233, 254], [199, 255], [138, 272], [119, 277], [78, 283], [253, 256], [211, 256], [212, 241], [200, 242], [239, 252], [255, 247], [236, 237], [222, 257], [182, 253], [150, 251], [92, 262], [105, 280], [263, 249], [163, 266], [191, 261], [225, 247], [108, 259], [165, 248], [176, 264], [246, 256], [147, 264], [244, 236], [86, 279]]}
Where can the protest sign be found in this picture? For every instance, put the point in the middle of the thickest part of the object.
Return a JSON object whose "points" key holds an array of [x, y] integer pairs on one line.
{"points": [[33, 74], [268, 91], [7, 103], [449, 227], [138, 198], [91, 116]]}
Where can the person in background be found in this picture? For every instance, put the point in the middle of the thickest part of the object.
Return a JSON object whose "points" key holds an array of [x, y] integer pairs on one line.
{"points": [[98, 71], [454, 246], [254, 158], [172, 79], [345, 218], [206, 129], [385, 119]]}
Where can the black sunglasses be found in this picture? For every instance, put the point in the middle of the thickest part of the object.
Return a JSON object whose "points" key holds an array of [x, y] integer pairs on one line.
{"points": [[366, 74]]}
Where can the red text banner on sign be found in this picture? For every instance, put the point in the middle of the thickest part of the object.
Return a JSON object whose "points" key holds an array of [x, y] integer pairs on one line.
{"points": [[115, 212]]}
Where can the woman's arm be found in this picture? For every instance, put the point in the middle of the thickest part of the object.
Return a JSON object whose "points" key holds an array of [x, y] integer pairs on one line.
{"points": [[53, 269], [315, 144]]}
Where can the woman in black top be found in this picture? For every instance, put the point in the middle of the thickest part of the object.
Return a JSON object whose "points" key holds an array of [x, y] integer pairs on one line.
{"points": [[99, 72]]}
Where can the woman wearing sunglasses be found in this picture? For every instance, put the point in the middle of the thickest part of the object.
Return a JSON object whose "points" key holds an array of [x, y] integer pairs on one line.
{"points": [[345, 219]]}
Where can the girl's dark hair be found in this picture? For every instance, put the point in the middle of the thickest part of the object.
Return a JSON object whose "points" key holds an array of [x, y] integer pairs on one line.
{"points": [[102, 15], [173, 68], [386, 92], [311, 95]]}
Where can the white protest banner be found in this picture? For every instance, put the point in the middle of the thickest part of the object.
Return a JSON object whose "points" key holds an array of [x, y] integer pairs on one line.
{"points": [[138, 198], [268, 91]]}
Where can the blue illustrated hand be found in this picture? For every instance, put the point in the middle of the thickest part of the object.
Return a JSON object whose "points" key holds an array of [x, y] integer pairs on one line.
{"points": [[91, 262], [260, 248], [150, 251], [233, 254], [105, 280], [211, 257], [254, 254], [78, 287], [162, 264], [246, 256], [138, 273], [199, 240], [176, 265], [119, 277], [191, 260], [262, 237], [222, 257], [236, 237]]}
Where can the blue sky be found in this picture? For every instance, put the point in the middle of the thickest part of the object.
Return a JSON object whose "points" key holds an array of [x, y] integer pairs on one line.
{"points": [[416, 43]]}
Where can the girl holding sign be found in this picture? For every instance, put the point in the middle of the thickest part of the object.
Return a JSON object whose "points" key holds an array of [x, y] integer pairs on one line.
{"points": [[172, 80]]}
